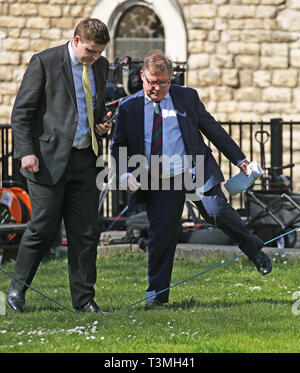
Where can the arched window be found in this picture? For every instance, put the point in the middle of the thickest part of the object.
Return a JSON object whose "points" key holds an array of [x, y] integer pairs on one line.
{"points": [[155, 24], [138, 30]]}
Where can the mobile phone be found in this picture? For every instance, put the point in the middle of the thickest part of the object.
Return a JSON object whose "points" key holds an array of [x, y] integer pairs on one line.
{"points": [[106, 120]]}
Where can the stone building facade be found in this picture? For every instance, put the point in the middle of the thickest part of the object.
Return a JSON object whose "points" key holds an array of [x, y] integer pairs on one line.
{"points": [[243, 56]]}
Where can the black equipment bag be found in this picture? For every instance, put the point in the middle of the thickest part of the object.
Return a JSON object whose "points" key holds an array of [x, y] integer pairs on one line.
{"points": [[272, 213], [272, 208], [124, 78]]}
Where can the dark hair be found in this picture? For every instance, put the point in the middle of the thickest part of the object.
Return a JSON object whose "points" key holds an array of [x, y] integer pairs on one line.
{"points": [[157, 63], [92, 29]]}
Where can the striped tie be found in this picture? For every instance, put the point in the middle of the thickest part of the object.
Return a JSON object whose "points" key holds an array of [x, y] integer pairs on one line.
{"points": [[156, 142], [89, 105]]}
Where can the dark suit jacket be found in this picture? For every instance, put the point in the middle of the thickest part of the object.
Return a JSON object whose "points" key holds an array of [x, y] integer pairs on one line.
{"points": [[45, 117], [193, 120]]}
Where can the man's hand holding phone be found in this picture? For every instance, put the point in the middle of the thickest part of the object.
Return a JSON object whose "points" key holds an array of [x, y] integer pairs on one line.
{"points": [[105, 126]]}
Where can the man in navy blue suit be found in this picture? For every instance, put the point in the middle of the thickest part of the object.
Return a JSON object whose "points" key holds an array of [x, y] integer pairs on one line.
{"points": [[167, 120]]}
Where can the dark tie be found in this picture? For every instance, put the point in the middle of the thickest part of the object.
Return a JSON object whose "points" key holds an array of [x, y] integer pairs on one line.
{"points": [[156, 142]]}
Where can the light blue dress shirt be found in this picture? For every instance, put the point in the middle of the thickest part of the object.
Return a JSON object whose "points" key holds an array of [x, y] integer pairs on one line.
{"points": [[173, 146], [82, 137]]}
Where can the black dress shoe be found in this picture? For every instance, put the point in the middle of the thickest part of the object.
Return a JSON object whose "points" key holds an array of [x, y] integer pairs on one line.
{"points": [[91, 306], [263, 263], [15, 299]]}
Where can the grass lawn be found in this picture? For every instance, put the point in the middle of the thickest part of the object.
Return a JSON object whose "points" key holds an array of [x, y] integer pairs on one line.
{"points": [[231, 309]]}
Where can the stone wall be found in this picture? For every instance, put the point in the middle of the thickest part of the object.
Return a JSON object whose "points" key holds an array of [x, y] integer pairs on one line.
{"points": [[28, 27], [244, 57]]}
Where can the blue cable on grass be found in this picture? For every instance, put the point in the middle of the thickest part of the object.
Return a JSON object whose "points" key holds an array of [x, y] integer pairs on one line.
{"points": [[160, 292], [37, 291], [205, 271]]}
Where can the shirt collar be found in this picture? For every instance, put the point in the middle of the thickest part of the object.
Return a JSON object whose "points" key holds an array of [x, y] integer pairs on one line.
{"points": [[148, 99], [74, 60]]}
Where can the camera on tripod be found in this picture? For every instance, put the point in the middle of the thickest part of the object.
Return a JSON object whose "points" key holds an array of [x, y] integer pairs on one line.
{"points": [[124, 78]]}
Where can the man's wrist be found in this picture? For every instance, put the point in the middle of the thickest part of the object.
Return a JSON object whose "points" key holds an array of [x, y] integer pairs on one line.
{"points": [[123, 180]]}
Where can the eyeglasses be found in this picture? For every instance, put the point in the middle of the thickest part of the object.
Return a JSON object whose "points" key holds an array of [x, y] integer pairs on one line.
{"points": [[155, 84]]}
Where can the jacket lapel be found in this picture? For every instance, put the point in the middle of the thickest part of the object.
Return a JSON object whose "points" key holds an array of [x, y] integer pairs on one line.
{"points": [[178, 102], [139, 122], [99, 84], [67, 73]]}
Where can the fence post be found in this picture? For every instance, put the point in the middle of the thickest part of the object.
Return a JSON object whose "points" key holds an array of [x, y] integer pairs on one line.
{"points": [[276, 144]]}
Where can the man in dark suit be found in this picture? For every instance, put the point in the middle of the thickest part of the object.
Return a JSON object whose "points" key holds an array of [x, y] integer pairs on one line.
{"points": [[57, 125], [167, 120]]}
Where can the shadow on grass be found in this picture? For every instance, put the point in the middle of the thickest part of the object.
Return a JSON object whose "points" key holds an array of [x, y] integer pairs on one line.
{"points": [[185, 304], [48, 308], [192, 303]]}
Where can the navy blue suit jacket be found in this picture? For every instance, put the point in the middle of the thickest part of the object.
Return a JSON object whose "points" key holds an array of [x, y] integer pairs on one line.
{"points": [[193, 121]]}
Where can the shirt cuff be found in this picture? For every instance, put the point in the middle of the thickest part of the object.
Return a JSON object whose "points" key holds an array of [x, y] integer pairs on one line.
{"points": [[123, 179], [238, 164]]}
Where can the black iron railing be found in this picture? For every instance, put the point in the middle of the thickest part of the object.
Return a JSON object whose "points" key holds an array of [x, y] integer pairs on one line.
{"points": [[273, 144]]}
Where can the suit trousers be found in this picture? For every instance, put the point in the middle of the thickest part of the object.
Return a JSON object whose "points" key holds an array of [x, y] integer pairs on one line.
{"points": [[164, 210], [75, 200], [215, 209]]}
